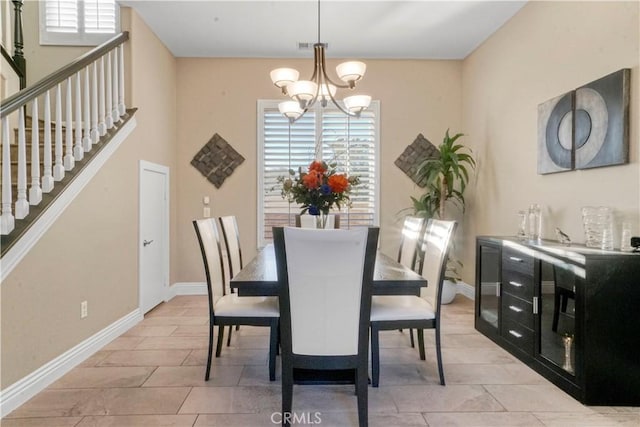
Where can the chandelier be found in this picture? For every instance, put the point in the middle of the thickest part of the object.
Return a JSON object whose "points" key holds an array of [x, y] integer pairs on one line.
{"points": [[305, 93]]}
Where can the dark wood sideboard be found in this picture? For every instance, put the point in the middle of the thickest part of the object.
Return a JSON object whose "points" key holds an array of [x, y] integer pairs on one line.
{"points": [[571, 313]]}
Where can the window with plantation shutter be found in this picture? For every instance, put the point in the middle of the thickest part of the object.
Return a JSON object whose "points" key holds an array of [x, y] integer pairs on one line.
{"points": [[78, 22], [326, 134]]}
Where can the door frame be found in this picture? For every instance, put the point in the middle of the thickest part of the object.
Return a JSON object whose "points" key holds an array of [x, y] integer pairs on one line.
{"points": [[154, 167]]}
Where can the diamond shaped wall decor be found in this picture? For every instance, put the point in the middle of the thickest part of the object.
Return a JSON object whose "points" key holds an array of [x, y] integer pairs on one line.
{"points": [[416, 153], [217, 160]]}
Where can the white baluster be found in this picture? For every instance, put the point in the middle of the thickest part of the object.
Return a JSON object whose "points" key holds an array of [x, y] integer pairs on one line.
{"points": [[58, 168], [69, 161], [95, 134], [102, 126], [78, 151], [47, 176], [86, 109], [35, 192], [115, 112], [22, 205], [7, 222], [109, 94], [121, 106]]}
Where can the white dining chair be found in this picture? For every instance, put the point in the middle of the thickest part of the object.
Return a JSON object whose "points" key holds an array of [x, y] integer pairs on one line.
{"points": [[418, 312], [230, 309], [409, 252], [232, 255], [326, 283]]}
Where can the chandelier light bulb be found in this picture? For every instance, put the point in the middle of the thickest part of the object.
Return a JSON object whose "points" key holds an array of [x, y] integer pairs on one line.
{"points": [[281, 77], [351, 71], [324, 93], [356, 103], [290, 109], [302, 91]]}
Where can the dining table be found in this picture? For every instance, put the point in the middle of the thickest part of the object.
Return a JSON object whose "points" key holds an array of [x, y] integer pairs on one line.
{"points": [[259, 277]]}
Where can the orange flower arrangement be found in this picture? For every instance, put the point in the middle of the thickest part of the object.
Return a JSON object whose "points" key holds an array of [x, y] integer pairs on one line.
{"points": [[319, 188]]}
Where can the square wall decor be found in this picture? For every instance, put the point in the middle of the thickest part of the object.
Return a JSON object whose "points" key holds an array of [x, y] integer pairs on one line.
{"points": [[217, 160]]}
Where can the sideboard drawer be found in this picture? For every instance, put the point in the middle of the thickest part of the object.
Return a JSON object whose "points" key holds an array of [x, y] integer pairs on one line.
{"points": [[517, 310], [513, 260], [518, 335], [518, 284]]}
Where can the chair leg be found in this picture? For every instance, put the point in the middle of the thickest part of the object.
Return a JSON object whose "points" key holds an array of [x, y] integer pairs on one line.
{"points": [[237, 327], [229, 337], [363, 396], [210, 352], [413, 344], [556, 311], [287, 393], [375, 356], [220, 340], [439, 356], [273, 345], [421, 344]]}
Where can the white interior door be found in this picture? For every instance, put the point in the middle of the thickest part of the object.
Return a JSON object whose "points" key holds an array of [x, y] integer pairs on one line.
{"points": [[154, 234]]}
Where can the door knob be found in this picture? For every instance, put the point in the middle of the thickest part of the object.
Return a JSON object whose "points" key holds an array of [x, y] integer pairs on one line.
{"points": [[146, 243]]}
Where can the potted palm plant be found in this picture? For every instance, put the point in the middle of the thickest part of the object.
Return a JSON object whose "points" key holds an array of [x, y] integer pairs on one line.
{"points": [[445, 177]]}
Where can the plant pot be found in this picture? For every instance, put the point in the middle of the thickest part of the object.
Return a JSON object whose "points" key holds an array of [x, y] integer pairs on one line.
{"points": [[449, 290]]}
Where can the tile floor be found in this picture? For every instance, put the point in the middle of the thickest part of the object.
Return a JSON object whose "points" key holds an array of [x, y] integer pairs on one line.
{"points": [[153, 376]]}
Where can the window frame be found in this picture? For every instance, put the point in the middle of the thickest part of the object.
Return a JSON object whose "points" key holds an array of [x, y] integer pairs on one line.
{"points": [[264, 104], [79, 38]]}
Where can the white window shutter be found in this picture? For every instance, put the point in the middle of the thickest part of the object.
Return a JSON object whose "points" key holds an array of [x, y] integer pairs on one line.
{"points": [[78, 22], [100, 16], [61, 16]]}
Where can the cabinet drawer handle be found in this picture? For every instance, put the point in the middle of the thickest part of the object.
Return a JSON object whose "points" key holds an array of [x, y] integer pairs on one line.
{"points": [[516, 284], [515, 334], [515, 258], [514, 308]]}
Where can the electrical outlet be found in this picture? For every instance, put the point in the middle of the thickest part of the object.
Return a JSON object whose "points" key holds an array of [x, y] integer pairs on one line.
{"points": [[83, 309], [206, 212]]}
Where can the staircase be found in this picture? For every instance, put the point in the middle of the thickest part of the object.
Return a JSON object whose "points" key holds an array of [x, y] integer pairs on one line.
{"points": [[52, 130]]}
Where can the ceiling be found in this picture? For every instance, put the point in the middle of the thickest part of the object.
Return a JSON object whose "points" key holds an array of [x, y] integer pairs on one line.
{"points": [[353, 29]]}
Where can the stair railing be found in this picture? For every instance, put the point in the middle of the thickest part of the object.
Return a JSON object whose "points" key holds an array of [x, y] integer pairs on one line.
{"points": [[92, 87]]}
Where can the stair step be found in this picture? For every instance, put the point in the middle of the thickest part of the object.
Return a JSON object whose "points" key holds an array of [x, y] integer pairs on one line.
{"points": [[28, 134], [28, 122]]}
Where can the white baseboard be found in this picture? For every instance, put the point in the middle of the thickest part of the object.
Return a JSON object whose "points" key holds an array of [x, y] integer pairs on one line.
{"points": [[186, 288], [22, 390], [466, 289], [15, 254]]}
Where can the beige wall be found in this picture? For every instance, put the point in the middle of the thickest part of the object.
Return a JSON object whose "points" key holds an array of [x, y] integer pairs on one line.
{"points": [[547, 49], [219, 95], [90, 253]]}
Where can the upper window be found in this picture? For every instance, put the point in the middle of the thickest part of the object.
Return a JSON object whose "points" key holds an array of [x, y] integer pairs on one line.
{"points": [[78, 22], [322, 133]]}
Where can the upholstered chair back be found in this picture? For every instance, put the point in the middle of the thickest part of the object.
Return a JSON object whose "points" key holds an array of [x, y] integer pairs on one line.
{"points": [[233, 254], [436, 243], [412, 232], [208, 237], [325, 272]]}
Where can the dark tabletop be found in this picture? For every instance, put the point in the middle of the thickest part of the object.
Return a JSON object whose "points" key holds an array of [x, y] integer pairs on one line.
{"points": [[260, 278]]}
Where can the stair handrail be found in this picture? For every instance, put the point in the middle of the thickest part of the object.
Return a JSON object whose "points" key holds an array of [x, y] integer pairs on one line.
{"points": [[19, 99], [16, 69]]}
